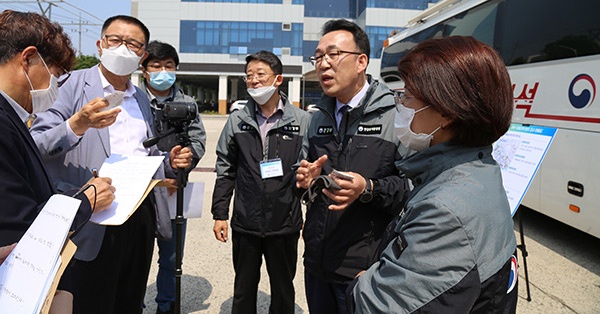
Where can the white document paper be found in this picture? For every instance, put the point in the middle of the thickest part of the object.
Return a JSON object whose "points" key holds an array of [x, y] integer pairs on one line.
{"points": [[519, 153], [27, 273], [193, 196], [130, 176]]}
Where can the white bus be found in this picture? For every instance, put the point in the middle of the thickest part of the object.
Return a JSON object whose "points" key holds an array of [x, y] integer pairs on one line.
{"points": [[552, 51]]}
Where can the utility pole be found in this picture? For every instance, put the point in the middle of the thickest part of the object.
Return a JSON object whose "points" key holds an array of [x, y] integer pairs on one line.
{"points": [[79, 48], [47, 10], [80, 30]]}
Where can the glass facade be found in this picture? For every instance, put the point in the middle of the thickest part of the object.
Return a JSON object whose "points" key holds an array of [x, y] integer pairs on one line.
{"points": [[330, 8], [396, 4], [242, 38], [377, 34], [227, 37], [309, 47]]}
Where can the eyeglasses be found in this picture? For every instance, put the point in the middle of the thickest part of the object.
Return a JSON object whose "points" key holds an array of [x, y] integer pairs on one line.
{"points": [[67, 74], [400, 99], [261, 77], [155, 67], [114, 41], [332, 56]]}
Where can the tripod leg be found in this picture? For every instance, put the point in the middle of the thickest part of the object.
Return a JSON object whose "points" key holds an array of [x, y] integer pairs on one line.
{"points": [[181, 182], [523, 249]]}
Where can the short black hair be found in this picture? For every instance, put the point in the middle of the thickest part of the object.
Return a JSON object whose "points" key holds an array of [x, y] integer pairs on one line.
{"points": [[361, 39], [129, 20], [158, 50], [267, 57]]}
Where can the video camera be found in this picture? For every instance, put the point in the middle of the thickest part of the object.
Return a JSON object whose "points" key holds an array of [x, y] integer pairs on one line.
{"points": [[173, 118], [174, 112]]}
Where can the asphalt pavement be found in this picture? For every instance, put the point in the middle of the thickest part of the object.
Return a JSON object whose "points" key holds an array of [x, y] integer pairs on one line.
{"points": [[563, 263]]}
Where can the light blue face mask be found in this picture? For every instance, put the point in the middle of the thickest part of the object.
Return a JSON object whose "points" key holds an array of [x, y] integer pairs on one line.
{"points": [[162, 80]]}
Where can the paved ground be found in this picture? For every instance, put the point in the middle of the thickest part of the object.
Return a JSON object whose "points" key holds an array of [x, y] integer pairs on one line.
{"points": [[563, 263]]}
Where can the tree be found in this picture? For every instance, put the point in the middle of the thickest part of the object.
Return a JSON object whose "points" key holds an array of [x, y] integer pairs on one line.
{"points": [[84, 62]]}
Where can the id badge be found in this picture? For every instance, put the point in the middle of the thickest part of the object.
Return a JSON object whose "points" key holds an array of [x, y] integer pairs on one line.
{"points": [[271, 168]]}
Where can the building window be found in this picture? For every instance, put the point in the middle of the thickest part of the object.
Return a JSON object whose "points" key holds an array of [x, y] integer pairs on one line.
{"points": [[330, 9], [237, 1], [399, 4], [309, 47], [226, 37], [377, 34]]}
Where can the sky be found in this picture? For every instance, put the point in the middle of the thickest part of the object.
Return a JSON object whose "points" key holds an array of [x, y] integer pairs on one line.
{"points": [[68, 12]]}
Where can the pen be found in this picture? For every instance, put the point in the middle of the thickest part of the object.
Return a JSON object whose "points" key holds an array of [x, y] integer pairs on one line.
{"points": [[95, 172]]}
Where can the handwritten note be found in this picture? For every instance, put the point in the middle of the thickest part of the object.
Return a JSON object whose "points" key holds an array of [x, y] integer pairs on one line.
{"points": [[27, 274], [131, 176]]}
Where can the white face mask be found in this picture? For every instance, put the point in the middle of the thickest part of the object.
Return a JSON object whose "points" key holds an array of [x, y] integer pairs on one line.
{"points": [[407, 137], [42, 99], [262, 94], [120, 61]]}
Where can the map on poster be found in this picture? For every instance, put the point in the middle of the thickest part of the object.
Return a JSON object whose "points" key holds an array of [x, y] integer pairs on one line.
{"points": [[519, 153]]}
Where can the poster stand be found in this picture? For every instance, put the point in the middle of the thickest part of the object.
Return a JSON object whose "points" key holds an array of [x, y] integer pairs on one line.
{"points": [[523, 250], [519, 153]]}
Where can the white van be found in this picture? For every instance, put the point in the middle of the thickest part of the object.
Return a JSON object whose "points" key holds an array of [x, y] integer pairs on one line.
{"points": [[552, 51]]}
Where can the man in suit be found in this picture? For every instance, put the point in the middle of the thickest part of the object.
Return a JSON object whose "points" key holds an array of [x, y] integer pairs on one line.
{"points": [[33, 53], [77, 134]]}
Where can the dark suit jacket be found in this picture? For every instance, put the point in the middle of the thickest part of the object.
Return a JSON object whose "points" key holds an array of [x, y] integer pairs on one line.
{"points": [[25, 185]]}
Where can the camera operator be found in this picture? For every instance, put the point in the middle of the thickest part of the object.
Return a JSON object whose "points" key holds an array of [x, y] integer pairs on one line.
{"points": [[159, 83]]}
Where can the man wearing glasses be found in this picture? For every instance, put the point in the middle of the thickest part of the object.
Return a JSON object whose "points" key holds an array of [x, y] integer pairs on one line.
{"points": [[258, 146], [29, 70], [76, 135], [352, 132], [159, 84]]}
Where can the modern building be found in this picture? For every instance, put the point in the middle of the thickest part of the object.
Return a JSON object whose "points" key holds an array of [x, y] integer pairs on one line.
{"points": [[213, 38]]}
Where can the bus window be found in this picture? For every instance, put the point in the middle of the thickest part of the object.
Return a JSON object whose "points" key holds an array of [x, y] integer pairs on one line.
{"points": [[522, 31], [478, 22], [544, 30]]}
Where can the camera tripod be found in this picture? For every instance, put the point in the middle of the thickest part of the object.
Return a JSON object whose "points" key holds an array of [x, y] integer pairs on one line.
{"points": [[182, 137]]}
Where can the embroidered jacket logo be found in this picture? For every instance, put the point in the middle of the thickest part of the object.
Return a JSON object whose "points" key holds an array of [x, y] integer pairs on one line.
{"points": [[369, 129], [291, 128], [324, 130]]}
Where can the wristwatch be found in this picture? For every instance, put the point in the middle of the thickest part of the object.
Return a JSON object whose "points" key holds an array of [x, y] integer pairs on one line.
{"points": [[367, 194]]}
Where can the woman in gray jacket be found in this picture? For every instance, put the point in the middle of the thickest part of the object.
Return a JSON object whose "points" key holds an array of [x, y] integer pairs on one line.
{"points": [[452, 247]]}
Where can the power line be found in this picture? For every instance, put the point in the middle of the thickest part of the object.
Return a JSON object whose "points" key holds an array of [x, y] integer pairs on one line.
{"points": [[62, 12]]}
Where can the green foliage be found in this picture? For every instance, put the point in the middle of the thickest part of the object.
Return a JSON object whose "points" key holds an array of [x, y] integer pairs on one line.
{"points": [[85, 62]]}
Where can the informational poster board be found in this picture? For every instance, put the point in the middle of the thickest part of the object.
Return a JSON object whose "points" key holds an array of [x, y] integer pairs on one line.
{"points": [[193, 197], [519, 153]]}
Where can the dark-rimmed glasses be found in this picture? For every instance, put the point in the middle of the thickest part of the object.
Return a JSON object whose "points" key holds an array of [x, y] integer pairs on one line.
{"points": [[114, 41], [261, 77], [332, 56]]}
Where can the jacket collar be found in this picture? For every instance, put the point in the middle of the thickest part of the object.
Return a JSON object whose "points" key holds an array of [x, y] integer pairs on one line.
{"points": [[423, 166], [249, 115], [22, 129], [93, 88], [369, 103]]}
